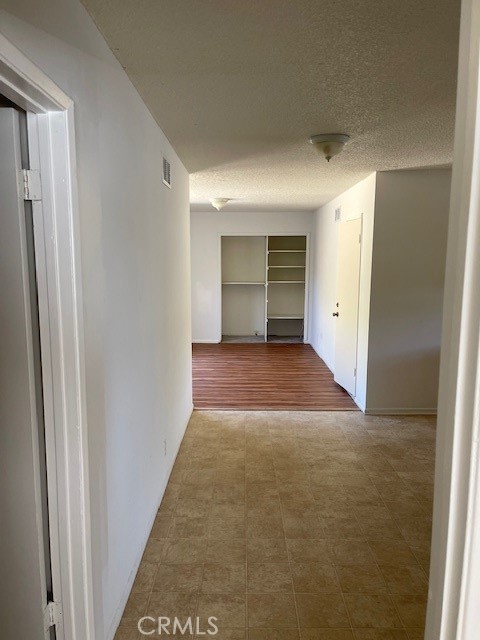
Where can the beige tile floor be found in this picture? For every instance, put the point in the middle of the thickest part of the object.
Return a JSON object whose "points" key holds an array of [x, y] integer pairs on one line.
{"points": [[293, 525]]}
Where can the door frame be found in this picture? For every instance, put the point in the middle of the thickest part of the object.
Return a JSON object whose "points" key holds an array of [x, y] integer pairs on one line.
{"points": [[50, 122], [453, 610]]}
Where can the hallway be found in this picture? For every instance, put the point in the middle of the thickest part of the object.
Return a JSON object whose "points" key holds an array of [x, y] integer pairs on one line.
{"points": [[289, 525]]}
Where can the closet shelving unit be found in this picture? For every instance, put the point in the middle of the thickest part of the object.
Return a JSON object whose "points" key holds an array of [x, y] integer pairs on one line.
{"points": [[286, 281], [263, 287]]}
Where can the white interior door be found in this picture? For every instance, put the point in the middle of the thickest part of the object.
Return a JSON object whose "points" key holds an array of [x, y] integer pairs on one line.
{"points": [[24, 543], [346, 312]]}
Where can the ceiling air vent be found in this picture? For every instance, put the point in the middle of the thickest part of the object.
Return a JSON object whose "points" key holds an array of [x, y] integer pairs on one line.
{"points": [[338, 214], [167, 176]]}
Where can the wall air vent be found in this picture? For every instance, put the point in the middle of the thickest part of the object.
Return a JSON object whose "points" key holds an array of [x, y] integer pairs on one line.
{"points": [[167, 176], [338, 214]]}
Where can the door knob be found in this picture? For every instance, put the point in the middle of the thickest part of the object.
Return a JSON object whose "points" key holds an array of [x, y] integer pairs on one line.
{"points": [[335, 314]]}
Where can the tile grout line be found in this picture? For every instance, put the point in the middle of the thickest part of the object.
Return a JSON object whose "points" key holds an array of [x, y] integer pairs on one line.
{"points": [[247, 633], [295, 604], [369, 546], [163, 551], [336, 572], [390, 596], [199, 591], [404, 540]]}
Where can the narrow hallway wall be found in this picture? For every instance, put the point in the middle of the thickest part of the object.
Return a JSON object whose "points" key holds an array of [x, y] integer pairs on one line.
{"points": [[408, 272]]}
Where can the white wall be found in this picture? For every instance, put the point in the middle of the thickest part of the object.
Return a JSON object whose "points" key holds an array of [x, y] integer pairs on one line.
{"points": [[206, 270], [136, 287], [404, 233], [408, 269], [358, 201]]}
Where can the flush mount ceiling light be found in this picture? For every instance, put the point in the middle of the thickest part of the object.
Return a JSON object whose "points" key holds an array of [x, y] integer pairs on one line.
{"points": [[329, 144], [219, 203]]}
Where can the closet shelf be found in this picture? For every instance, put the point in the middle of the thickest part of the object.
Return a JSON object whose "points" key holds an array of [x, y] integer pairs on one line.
{"points": [[287, 251], [286, 282], [239, 282], [286, 266], [286, 317]]}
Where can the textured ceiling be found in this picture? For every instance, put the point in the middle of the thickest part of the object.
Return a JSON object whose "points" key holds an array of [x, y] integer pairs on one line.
{"points": [[238, 86]]}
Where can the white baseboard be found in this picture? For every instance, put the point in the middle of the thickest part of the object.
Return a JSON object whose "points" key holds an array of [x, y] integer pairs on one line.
{"points": [[121, 607], [314, 347], [206, 341], [359, 405], [415, 411]]}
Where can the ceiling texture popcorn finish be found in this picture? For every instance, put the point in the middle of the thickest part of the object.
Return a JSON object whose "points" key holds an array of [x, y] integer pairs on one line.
{"points": [[239, 87]]}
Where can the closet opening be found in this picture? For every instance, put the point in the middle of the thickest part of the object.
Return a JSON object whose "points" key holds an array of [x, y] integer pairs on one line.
{"points": [[264, 288]]}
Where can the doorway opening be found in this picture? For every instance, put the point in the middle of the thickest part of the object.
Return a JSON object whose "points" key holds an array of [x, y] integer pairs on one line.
{"points": [[346, 312], [29, 471], [265, 302]]}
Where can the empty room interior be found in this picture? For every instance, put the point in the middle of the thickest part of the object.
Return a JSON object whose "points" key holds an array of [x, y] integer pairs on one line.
{"points": [[227, 273]]}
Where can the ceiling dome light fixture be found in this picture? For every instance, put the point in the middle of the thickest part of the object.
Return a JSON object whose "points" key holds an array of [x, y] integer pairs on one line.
{"points": [[219, 203], [329, 144]]}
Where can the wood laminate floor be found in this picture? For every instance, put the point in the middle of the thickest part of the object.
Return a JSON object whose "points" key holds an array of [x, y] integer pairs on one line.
{"points": [[264, 377]]}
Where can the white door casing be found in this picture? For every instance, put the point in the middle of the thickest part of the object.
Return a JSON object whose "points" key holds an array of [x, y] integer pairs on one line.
{"points": [[453, 606], [348, 287]]}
